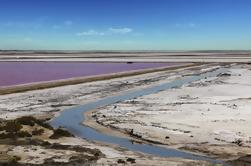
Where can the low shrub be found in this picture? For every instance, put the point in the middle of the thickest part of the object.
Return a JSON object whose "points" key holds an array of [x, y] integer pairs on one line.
{"points": [[37, 132], [12, 126], [58, 133]]}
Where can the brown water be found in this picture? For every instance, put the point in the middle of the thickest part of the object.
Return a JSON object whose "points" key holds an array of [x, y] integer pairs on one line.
{"points": [[15, 73]]}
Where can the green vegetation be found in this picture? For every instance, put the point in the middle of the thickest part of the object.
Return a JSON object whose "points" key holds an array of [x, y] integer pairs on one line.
{"points": [[131, 160], [31, 121], [120, 161], [7, 160], [13, 128]]}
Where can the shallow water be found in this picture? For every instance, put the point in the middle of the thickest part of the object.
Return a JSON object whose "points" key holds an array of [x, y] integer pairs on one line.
{"points": [[72, 119], [15, 73]]}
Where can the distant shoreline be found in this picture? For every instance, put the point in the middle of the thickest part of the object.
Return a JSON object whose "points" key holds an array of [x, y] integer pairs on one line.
{"points": [[128, 56], [122, 53]]}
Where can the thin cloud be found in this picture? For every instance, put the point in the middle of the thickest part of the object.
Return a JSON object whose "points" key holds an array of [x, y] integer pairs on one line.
{"points": [[91, 33], [109, 31], [120, 30]]}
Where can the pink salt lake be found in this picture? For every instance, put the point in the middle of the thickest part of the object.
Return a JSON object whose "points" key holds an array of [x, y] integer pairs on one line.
{"points": [[15, 73]]}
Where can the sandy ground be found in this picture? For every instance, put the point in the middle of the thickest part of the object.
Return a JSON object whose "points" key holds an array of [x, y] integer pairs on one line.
{"points": [[211, 116], [49, 102]]}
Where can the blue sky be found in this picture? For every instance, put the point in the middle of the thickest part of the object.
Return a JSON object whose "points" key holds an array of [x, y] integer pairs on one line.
{"points": [[125, 24]]}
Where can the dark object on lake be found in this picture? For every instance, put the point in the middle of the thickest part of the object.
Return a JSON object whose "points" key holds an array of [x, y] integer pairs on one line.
{"points": [[129, 62]]}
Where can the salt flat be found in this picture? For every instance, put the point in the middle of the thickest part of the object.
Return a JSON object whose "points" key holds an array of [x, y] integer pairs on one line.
{"points": [[211, 115], [207, 117], [48, 103]]}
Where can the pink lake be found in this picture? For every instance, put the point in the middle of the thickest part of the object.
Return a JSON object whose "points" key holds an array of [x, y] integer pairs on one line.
{"points": [[15, 73]]}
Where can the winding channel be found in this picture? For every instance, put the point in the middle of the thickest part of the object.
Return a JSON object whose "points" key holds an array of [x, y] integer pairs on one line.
{"points": [[72, 119]]}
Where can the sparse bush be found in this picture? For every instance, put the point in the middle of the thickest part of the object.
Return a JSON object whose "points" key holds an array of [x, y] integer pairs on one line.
{"points": [[12, 126], [12, 161], [238, 142], [16, 158], [23, 134], [31, 121], [131, 160], [58, 133], [37, 132], [7, 135], [44, 124], [120, 161], [27, 120]]}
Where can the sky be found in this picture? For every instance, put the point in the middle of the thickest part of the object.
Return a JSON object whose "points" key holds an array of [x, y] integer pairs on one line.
{"points": [[125, 24]]}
